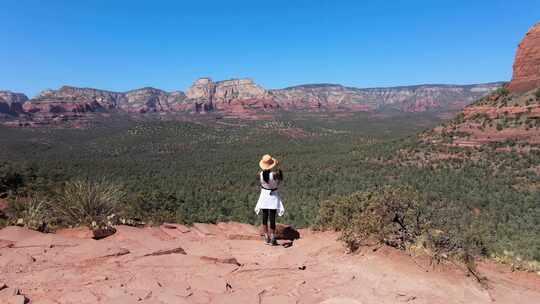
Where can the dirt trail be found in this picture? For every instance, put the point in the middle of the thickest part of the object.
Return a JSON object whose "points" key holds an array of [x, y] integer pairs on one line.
{"points": [[226, 263]]}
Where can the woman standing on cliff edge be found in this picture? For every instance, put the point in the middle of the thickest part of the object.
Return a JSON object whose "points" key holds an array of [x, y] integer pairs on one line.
{"points": [[269, 201]]}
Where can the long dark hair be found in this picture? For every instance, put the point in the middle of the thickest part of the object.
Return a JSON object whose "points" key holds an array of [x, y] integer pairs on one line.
{"points": [[266, 175]]}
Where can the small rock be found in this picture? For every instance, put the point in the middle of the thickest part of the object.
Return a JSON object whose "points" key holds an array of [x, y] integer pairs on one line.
{"points": [[101, 233], [178, 250], [117, 252], [6, 244], [178, 227], [230, 260]]}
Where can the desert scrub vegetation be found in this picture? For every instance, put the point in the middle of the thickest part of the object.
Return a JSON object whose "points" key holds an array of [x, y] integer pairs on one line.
{"points": [[88, 203], [398, 216], [95, 204], [10, 179], [30, 212], [204, 172], [391, 215], [404, 218], [503, 91]]}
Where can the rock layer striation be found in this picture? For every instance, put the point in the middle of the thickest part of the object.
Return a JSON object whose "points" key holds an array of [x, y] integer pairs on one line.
{"points": [[235, 97], [526, 75]]}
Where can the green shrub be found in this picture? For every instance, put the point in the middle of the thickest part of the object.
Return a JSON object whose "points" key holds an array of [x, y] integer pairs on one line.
{"points": [[88, 203], [401, 217], [460, 118], [502, 91], [392, 215], [537, 94], [10, 179]]}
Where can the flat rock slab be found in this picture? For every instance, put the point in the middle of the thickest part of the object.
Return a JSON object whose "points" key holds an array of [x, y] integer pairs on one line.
{"points": [[239, 228], [17, 234], [16, 258], [207, 229], [341, 300], [239, 231], [210, 284], [77, 233], [6, 244], [91, 250], [237, 297], [278, 299], [47, 240], [316, 270]]}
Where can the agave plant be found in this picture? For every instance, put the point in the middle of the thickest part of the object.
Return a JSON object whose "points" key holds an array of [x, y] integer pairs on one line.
{"points": [[90, 203], [30, 212]]}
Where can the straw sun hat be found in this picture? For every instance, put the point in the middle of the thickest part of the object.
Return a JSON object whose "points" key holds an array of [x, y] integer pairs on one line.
{"points": [[268, 162]]}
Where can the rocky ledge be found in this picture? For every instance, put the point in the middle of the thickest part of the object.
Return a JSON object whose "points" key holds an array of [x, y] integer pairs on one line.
{"points": [[229, 263]]}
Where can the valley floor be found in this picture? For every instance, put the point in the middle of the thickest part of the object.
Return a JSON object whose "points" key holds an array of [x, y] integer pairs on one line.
{"points": [[227, 263]]}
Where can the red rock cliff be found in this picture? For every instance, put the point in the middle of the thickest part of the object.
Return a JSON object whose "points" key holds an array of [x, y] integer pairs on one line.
{"points": [[527, 63]]}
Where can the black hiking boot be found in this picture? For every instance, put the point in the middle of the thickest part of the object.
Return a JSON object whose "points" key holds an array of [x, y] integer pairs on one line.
{"points": [[267, 240], [273, 242]]}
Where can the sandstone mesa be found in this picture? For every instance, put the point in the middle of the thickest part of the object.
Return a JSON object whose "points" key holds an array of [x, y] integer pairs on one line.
{"points": [[235, 97]]}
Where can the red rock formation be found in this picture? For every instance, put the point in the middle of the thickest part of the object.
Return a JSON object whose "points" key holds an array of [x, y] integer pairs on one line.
{"points": [[236, 97], [527, 63], [420, 98], [11, 103]]}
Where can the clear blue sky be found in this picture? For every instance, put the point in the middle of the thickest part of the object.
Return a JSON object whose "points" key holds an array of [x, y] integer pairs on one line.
{"points": [[121, 45]]}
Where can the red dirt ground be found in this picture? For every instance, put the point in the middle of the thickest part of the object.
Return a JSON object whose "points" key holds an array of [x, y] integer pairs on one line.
{"points": [[228, 263]]}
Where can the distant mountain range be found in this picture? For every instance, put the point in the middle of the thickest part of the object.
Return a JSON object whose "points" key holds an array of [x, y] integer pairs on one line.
{"points": [[235, 97]]}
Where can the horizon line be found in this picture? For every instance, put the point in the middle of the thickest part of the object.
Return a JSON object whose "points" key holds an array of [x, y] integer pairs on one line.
{"points": [[267, 89]]}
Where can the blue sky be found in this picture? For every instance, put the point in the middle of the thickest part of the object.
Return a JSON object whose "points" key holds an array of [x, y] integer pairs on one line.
{"points": [[121, 45]]}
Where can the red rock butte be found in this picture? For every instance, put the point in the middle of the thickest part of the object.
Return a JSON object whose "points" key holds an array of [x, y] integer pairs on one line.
{"points": [[526, 74]]}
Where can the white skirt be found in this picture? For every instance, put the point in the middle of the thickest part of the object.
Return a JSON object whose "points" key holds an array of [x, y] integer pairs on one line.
{"points": [[270, 200]]}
